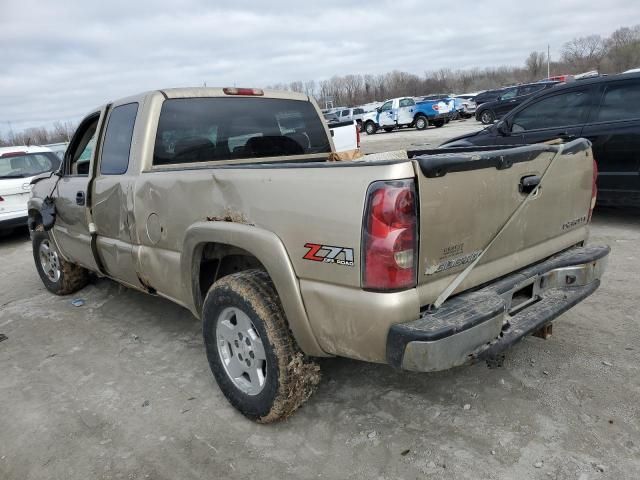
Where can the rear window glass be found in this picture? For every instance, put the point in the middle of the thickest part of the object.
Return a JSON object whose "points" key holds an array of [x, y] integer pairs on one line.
{"points": [[215, 129], [27, 164], [620, 102]]}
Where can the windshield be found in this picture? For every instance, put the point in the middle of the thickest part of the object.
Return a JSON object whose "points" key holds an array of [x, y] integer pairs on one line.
{"points": [[215, 129], [21, 165]]}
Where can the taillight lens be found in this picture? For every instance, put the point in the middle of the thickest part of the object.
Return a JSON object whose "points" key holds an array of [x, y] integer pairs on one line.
{"points": [[357, 136], [390, 236], [594, 188]]}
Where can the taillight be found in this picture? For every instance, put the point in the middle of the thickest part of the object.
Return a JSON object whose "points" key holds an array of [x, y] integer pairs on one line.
{"points": [[242, 91], [594, 188], [390, 236], [357, 136]]}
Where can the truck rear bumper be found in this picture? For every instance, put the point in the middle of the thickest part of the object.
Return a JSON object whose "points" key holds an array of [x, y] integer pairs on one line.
{"points": [[483, 323]]}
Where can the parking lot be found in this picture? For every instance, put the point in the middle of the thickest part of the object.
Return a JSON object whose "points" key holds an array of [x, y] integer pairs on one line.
{"points": [[119, 387]]}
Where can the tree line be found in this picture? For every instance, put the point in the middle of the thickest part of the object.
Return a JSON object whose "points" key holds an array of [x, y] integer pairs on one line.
{"points": [[616, 53]]}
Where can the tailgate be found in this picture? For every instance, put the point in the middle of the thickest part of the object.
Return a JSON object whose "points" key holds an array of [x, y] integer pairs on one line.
{"points": [[15, 194], [467, 197]]}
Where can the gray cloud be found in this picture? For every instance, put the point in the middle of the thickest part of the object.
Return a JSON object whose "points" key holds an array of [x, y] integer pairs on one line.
{"points": [[62, 58]]}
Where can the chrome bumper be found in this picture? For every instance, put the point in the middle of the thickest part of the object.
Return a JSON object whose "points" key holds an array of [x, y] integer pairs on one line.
{"points": [[483, 323]]}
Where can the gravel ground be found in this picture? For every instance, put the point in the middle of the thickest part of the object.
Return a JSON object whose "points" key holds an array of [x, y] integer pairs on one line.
{"points": [[120, 389]]}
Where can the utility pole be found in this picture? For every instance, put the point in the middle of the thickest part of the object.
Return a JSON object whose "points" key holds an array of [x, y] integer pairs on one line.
{"points": [[548, 61]]}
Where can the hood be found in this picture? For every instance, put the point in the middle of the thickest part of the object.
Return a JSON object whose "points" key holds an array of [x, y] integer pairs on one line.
{"points": [[465, 140], [370, 116]]}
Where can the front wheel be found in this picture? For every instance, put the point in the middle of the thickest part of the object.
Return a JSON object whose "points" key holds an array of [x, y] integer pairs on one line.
{"points": [[251, 352], [421, 122], [487, 117], [58, 275], [370, 128]]}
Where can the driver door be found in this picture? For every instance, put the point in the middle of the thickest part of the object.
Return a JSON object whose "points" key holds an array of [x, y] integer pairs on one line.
{"points": [[405, 111], [385, 116], [71, 227]]}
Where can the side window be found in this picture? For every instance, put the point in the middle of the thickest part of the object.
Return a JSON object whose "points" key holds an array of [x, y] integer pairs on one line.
{"points": [[620, 102], [386, 106], [117, 140], [80, 151], [509, 94], [345, 113], [561, 110], [358, 111], [407, 102]]}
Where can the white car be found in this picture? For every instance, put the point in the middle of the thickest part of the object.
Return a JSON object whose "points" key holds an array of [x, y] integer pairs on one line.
{"points": [[18, 165]]}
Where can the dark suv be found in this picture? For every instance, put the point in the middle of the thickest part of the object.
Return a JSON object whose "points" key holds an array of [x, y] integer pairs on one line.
{"points": [[509, 99], [605, 110]]}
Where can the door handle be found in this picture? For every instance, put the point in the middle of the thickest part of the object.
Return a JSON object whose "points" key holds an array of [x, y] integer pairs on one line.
{"points": [[80, 198], [528, 184]]}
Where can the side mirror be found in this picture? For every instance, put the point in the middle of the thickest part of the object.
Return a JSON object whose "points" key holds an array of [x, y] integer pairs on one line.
{"points": [[503, 128], [379, 109]]}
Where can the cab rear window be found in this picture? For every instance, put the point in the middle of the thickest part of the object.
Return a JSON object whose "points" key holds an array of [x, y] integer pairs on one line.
{"points": [[218, 129]]}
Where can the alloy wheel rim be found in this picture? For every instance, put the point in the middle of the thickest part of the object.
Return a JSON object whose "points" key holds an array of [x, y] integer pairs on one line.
{"points": [[241, 351], [49, 261]]}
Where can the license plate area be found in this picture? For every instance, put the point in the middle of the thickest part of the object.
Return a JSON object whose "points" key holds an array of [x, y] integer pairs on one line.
{"points": [[522, 295]]}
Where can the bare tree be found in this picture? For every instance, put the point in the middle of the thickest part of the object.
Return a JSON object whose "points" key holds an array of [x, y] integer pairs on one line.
{"points": [[624, 49], [585, 53], [535, 64]]}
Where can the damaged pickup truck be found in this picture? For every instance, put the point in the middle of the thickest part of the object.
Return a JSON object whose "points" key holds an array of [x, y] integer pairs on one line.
{"points": [[225, 201]]}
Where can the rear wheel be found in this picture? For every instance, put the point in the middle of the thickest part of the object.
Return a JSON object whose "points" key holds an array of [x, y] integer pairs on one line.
{"points": [[438, 123], [421, 122], [58, 275], [251, 352], [487, 117], [370, 128]]}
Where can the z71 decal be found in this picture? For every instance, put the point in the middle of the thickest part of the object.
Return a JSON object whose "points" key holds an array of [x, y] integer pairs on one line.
{"points": [[329, 254]]}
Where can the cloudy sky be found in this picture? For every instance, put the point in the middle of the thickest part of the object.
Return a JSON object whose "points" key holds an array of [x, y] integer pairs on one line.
{"points": [[61, 58]]}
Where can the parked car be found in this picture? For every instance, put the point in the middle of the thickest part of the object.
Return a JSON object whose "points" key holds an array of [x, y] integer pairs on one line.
{"points": [[465, 105], [18, 166], [489, 112], [349, 114], [488, 96], [331, 118], [406, 112], [201, 197], [605, 110]]}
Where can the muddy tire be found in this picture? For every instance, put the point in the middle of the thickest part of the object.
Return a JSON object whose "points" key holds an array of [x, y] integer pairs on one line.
{"points": [[58, 275], [370, 128], [251, 351]]}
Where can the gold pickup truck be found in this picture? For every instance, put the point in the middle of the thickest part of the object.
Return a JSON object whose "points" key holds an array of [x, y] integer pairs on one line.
{"points": [[227, 202]]}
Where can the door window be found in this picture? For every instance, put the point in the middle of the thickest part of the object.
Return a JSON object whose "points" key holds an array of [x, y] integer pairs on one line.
{"points": [[561, 110], [407, 102], [386, 106], [509, 94], [80, 151], [117, 140], [620, 102], [345, 113]]}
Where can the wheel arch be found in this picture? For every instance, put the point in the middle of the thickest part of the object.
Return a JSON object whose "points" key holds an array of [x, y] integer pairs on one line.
{"points": [[246, 242]]}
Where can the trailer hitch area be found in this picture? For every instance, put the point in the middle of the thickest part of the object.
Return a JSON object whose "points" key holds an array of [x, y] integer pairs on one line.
{"points": [[544, 332]]}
